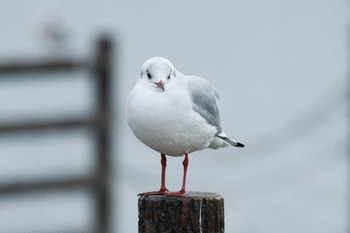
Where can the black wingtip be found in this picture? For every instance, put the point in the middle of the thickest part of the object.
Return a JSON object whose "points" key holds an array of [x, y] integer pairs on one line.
{"points": [[239, 144], [233, 143]]}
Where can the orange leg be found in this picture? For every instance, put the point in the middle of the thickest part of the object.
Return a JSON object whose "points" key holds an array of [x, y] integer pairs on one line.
{"points": [[162, 185], [163, 190], [182, 192]]}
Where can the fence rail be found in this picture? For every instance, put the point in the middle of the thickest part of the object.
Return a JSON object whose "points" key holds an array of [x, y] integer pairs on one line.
{"points": [[20, 127], [47, 185], [51, 65]]}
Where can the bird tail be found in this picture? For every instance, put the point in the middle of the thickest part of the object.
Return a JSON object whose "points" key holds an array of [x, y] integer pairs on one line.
{"points": [[229, 141]]}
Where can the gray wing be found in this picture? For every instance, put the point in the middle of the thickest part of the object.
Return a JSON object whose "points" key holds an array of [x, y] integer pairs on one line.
{"points": [[204, 100]]}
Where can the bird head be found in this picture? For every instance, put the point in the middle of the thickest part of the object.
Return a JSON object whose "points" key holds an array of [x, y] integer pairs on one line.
{"points": [[157, 74]]}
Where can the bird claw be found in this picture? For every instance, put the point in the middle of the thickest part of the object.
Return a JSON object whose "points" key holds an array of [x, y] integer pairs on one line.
{"points": [[164, 192], [159, 192]]}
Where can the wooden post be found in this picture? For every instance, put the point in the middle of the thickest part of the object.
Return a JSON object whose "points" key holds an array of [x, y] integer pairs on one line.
{"points": [[103, 73], [194, 213]]}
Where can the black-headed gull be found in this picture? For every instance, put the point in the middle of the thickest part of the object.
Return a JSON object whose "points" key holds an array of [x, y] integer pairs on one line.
{"points": [[174, 114]]}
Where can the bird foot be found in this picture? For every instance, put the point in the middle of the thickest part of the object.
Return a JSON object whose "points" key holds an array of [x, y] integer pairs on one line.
{"points": [[159, 192]]}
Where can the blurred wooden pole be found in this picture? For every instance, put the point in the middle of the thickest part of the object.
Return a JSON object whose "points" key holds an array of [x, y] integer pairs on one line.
{"points": [[194, 213], [103, 73]]}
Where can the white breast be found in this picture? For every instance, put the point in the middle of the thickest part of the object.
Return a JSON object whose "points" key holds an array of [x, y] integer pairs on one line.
{"points": [[165, 121]]}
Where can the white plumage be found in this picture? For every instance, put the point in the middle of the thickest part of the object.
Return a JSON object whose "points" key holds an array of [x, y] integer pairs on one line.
{"points": [[172, 113]]}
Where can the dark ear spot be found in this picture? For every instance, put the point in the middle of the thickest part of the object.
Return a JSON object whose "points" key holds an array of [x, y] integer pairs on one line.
{"points": [[141, 74], [149, 75]]}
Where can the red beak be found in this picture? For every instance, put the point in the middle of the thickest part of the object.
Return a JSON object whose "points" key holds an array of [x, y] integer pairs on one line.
{"points": [[160, 85]]}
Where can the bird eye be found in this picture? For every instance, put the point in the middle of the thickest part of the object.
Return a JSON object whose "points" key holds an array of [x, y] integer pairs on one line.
{"points": [[169, 76], [149, 75]]}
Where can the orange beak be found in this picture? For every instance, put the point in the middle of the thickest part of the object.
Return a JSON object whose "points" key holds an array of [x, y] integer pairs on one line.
{"points": [[160, 85]]}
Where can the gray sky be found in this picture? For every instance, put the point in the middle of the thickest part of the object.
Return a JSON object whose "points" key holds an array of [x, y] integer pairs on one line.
{"points": [[280, 68]]}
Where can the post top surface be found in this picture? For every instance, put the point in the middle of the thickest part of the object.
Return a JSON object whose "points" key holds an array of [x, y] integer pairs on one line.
{"points": [[189, 195]]}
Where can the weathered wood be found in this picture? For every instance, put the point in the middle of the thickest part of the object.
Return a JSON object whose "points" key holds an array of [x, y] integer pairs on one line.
{"points": [[194, 213]]}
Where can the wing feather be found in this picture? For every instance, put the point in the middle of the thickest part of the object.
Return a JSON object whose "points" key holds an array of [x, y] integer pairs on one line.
{"points": [[204, 100]]}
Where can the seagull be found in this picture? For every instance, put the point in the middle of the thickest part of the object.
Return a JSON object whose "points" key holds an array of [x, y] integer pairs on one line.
{"points": [[175, 115]]}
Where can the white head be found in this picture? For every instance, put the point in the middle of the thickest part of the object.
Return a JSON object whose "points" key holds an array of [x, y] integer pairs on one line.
{"points": [[157, 74]]}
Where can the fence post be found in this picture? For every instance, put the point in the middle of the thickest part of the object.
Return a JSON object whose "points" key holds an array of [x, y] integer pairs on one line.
{"points": [[103, 73], [194, 213]]}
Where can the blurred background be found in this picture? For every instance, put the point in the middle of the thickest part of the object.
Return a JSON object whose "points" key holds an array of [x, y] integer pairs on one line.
{"points": [[281, 68]]}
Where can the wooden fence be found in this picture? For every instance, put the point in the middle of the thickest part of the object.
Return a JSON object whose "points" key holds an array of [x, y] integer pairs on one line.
{"points": [[99, 123]]}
